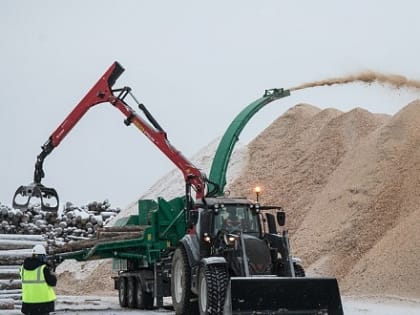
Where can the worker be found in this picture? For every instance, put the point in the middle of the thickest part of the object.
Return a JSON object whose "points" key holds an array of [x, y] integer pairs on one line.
{"points": [[232, 222], [38, 280]]}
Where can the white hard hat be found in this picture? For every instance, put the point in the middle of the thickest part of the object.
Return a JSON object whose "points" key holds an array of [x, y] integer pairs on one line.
{"points": [[39, 250]]}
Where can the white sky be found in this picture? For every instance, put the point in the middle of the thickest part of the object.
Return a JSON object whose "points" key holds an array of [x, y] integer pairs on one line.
{"points": [[194, 64]]}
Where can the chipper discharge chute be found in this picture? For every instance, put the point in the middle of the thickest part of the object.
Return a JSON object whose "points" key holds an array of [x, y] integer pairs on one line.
{"points": [[274, 295]]}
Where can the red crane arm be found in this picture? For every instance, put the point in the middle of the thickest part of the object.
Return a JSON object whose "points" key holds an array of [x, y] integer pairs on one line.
{"points": [[158, 137], [94, 97], [102, 92]]}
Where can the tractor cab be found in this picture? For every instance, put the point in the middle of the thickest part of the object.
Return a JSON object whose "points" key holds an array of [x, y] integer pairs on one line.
{"points": [[236, 230], [237, 218]]}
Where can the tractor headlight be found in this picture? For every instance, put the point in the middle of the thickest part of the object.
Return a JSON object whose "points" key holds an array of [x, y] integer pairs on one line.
{"points": [[206, 238], [230, 239]]}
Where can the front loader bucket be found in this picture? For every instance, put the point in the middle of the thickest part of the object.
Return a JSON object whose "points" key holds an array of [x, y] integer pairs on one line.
{"points": [[278, 295], [47, 197]]}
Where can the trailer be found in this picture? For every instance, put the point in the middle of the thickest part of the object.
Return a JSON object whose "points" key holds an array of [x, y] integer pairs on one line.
{"points": [[141, 247]]}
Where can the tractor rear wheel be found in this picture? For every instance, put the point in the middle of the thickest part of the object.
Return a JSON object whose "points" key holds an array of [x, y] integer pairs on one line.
{"points": [[122, 291], [213, 285], [181, 284]]}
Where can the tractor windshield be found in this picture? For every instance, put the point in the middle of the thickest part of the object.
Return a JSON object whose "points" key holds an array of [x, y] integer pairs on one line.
{"points": [[235, 218]]}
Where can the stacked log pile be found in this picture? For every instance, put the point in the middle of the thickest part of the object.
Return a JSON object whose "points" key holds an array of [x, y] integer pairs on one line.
{"points": [[73, 223], [14, 248], [21, 230]]}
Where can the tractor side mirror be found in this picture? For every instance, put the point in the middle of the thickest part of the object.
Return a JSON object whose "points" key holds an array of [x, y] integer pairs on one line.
{"points": [[281, 218]]}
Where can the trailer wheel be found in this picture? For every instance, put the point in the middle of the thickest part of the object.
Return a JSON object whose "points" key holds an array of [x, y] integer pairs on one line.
{"points": [[213, 284], [181, 284], [144, 300], [131, 292], [122, 291]]}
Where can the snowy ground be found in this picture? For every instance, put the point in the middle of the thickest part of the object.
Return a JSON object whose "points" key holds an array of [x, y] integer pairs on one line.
{"points": [[380, 306], [94, 305]]}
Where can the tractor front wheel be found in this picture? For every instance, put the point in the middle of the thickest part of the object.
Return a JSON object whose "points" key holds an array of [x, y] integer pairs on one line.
{"points": [[212, 290]]}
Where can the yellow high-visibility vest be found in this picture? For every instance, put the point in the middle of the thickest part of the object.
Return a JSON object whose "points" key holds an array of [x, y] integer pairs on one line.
{"points": [[34, 287]]}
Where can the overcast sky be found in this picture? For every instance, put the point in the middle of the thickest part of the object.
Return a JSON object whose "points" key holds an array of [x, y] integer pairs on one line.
{"points": [[194, 64]]}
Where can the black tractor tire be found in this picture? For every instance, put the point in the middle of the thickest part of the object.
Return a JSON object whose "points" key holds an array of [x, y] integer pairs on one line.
{"points": [[299, 271], [122, 291], [212, 288], [183, 300], [144, 300], [131, 292]]}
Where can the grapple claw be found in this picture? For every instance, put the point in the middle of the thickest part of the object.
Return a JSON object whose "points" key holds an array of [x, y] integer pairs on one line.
{"points": [[48, 197]]}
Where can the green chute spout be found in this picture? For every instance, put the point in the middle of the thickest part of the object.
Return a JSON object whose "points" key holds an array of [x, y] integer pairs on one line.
{"points": [[217, 178]]}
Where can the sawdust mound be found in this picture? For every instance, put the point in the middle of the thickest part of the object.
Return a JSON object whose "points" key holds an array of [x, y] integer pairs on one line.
{"points": [[349, 183]]}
